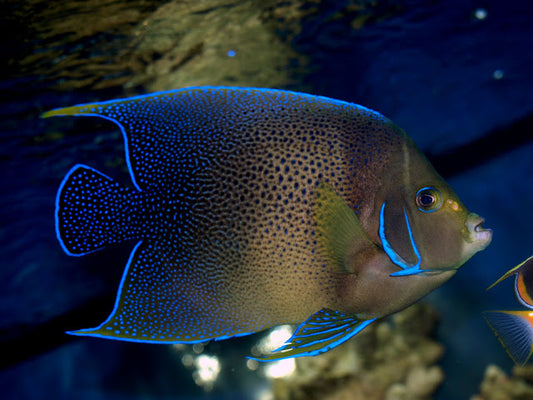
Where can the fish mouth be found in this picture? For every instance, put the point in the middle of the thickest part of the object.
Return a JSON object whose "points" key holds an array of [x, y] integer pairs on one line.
{"points": [[475, 233]]}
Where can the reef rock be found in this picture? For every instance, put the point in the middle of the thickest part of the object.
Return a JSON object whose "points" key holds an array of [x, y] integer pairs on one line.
{"points": [[101, 44], [394, 359], [497, 385]]}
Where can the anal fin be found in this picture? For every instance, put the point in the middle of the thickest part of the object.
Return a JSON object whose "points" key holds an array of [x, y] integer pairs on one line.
{"points": [[161, 300]]}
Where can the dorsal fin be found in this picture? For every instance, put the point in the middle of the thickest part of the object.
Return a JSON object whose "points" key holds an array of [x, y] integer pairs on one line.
{"points": [[160, 149]]}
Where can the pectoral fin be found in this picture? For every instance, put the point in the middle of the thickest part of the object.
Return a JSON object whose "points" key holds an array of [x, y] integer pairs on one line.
{"points": [[339, 231], [514, 330], [321, 332]]}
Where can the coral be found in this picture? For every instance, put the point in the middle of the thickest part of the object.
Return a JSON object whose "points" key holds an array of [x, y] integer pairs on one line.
{"points": [[387, 361], [497, 385]]}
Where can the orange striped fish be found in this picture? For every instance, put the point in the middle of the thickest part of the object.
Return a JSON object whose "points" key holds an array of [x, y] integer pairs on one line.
{"points": [[514, 329]]}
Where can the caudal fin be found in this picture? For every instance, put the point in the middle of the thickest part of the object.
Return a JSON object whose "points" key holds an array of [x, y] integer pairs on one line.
{"points": [[514, 330], [88, 206]]}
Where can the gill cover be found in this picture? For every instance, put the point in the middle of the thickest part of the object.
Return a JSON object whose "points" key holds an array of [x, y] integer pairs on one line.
{"points": [[396, 231], [397, 238]]}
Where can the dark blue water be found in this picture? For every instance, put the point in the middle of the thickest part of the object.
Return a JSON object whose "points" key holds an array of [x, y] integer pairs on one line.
{"points": [[445, 76]]}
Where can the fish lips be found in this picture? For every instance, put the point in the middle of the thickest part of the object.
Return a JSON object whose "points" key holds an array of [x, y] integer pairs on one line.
{"points": [[474, 233]]}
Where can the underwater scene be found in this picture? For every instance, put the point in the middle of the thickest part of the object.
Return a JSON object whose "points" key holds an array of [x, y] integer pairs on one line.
{"points": [[267, 200]]}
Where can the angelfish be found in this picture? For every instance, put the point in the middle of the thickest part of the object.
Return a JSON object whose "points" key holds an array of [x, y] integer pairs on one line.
{"points": [[252, 208], [514, 329]]}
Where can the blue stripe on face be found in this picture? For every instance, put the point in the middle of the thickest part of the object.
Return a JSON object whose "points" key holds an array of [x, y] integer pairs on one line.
{"points": [[407, 269]]}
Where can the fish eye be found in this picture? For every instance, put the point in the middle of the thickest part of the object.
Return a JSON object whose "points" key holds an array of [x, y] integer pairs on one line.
{"points": [[428, 199]]}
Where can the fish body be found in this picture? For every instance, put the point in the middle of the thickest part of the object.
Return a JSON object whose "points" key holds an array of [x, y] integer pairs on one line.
{"points": [[514, 329], [257, 207]]}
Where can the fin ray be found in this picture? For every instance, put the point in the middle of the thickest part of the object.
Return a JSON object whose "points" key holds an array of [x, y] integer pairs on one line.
{"points": [[514, 330]]}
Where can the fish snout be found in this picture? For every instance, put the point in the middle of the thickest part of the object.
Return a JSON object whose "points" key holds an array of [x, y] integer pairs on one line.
{"points": [[474, 232]]}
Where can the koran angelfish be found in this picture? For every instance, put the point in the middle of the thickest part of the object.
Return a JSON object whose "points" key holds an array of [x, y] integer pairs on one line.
{"points": [[514, 329], [252, 208]]}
